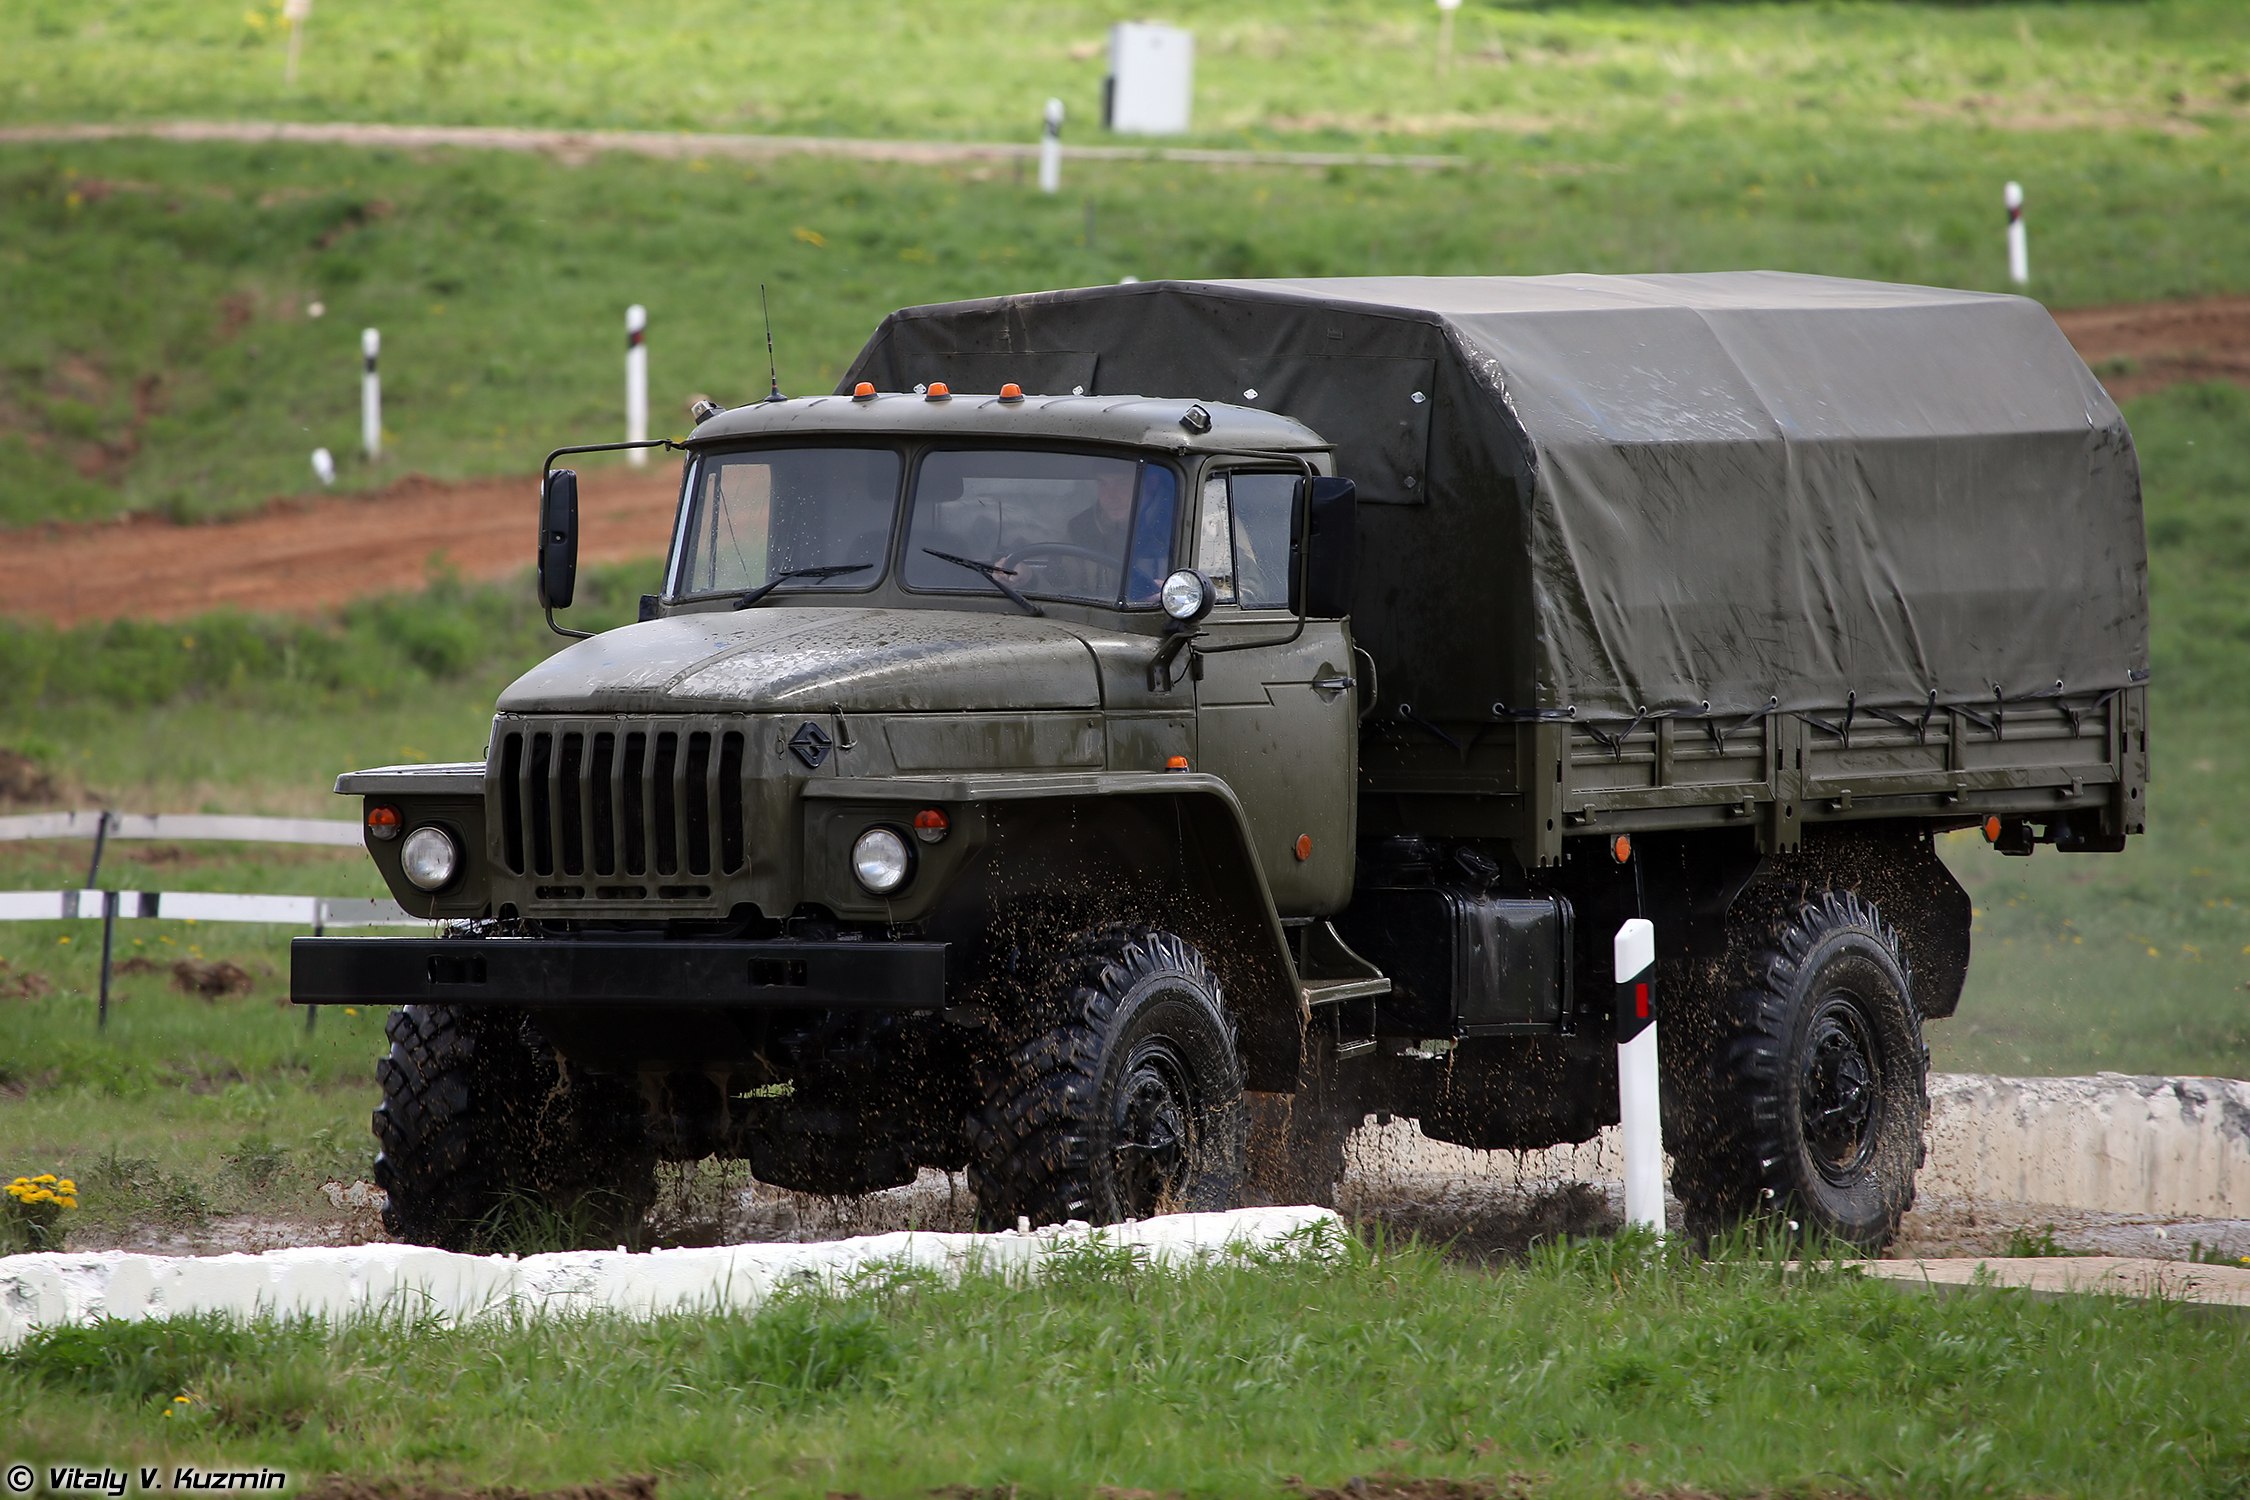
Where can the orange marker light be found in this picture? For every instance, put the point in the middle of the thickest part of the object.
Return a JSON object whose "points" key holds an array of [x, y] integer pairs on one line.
{"points": [[1011, 392], [938, 390], [1992, 830], [1176, 763], [864, 391], [931, 825], [383, 822], [1621, 848], [1304, 846]]}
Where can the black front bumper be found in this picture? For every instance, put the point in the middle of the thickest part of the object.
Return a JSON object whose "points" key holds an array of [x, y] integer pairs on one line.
{"points": [[537, 972]]}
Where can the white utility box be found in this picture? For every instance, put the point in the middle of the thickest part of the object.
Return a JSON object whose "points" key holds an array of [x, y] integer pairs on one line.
{"points": [[1151, 82]]}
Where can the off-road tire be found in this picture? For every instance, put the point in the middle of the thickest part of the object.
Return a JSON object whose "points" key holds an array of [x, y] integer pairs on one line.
{"points": [[1800, 1082], [481, 1121], [1115, 1094]]}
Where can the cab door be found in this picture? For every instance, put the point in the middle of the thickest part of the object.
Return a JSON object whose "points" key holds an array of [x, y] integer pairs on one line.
{"points": [[1276, 718]]}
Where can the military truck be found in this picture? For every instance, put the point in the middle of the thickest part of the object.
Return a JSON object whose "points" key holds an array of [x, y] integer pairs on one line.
{"points": [[1255, 707]]}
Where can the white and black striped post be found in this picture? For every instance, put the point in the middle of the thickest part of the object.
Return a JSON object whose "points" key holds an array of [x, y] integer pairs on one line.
{"points": [[370, 395], [636, 383], [1639, 1119], [2019, 253], [1050, 149]]}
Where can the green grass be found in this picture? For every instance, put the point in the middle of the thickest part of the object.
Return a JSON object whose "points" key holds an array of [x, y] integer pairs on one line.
{"points": [[1335, 71], [162, 356], [1590, 1370]]}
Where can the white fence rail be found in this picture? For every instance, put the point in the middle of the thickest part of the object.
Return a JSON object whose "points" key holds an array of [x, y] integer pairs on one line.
{"points": [[186, 827], [109, 907]]}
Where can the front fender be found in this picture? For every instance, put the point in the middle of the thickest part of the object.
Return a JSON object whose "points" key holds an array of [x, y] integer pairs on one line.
{"points": [[1173, 842]]}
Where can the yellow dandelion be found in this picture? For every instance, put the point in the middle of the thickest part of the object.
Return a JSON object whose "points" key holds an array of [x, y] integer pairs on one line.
{"points": [[2152, 953], [351, 1010]]}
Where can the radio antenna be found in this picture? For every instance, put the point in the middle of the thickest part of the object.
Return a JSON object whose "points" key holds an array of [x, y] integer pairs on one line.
{"points": [[773, 392]]}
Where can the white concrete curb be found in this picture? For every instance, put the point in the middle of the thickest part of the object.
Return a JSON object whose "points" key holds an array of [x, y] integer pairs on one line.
{"points": [[40, 1291], [2112, 1143]]}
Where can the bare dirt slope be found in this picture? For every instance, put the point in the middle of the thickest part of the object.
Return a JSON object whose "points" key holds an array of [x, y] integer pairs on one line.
{"points": [[307, 554]]}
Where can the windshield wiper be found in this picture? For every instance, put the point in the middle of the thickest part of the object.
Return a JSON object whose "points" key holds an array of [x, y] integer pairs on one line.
{"points": [[991, 572], [835, 570]]}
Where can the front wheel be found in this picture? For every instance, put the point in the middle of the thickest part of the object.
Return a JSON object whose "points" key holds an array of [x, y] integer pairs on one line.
{"points": [[1117, 1094], [1812, 1091]]}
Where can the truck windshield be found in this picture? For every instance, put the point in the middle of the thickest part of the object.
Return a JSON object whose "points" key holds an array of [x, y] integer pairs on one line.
{"points": [[1075, 526], [822, 516]]}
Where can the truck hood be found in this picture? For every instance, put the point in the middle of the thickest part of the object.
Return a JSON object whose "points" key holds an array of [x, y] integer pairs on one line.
{"points": [[783, 659]]}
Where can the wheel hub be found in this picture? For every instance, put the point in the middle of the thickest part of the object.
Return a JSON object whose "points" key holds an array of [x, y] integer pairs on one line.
{"points": [[1840, 1090], [1152, 1130]]}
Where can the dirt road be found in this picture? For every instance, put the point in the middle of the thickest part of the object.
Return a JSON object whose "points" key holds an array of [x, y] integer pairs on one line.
{"points": [[303, 555]]}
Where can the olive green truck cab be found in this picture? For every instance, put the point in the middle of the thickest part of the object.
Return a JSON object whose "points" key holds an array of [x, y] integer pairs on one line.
{"points": [[1121, 790]]}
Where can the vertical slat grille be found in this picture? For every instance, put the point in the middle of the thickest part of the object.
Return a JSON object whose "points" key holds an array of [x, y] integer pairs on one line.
{"points": [[633, 803], [601, 793], [535, 794], [731, 831], [511, 801], [665, 824], [696, 801], [623, 803], [569, 802]]}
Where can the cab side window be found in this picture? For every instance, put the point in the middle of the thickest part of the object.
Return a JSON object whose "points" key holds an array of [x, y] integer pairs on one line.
{"points": [[1242, 537]]}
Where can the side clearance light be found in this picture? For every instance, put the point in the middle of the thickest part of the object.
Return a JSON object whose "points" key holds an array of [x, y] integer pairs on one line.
{"points": [[383, 822], [931, 825], [1991, 829], [1621, 849]]}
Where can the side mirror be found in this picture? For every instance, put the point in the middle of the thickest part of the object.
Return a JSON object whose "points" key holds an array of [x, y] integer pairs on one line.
{"points": [[558, 539], [1328, 520]]}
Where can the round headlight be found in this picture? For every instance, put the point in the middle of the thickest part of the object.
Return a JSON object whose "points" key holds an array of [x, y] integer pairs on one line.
{"points": [[430, 857], [1188, 596], [881, 860]]}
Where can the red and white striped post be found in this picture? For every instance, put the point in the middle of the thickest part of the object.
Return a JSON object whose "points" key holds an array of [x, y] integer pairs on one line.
{"points": [[370, 395], [1639, 1118], [636, 382], [2019, 253]]}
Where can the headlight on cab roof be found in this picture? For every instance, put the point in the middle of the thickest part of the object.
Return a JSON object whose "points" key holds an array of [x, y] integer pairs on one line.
{"points": [[881, 860], [430, 858]]}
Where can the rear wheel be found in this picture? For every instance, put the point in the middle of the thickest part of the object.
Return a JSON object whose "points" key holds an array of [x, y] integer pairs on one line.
{"points": [[1115, 1094], [489, 1139], [1800, 1084]]}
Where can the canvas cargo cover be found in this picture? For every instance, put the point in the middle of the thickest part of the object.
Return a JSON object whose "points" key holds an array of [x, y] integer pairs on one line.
{"points": [[1608, 494]]}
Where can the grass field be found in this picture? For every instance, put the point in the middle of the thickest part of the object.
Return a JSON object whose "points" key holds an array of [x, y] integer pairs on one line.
{"points": [[163, 355], [1598, 1370], [1331, 72]]}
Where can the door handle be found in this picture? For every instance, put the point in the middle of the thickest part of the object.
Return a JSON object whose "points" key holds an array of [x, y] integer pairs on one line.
{"points": [[1333, 684]]}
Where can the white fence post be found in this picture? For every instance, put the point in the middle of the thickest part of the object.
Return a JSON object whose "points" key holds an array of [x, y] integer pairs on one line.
{"points": [[636, 383], [370, 395], [2019, 253], [1050, 149], [1639, 1117]]}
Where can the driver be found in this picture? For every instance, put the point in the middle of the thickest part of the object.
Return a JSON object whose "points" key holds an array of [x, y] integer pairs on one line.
{"points": [[1101, 531]]}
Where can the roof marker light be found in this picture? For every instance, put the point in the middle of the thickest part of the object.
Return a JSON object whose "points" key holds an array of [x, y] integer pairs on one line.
{"points": [[938, 391], [1011, 392], [864, 391], [1176, 763]]}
